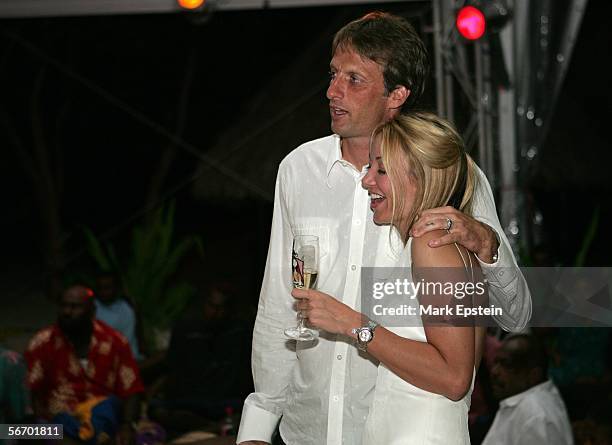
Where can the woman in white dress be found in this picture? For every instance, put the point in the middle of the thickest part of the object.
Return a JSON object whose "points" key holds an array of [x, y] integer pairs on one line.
{"points": [[426, 372]]}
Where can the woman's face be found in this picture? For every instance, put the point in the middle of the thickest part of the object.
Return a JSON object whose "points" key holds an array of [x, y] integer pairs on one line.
{"points": [[378, 185]]}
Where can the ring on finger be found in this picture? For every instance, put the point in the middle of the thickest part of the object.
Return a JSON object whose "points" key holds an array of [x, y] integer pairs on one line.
{"points": [[449, 224]]}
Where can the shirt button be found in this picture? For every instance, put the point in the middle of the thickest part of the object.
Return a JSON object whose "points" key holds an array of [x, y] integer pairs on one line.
{"points": [[336, 398], [339, 357], [501, 273], [353, 267], [358, 222]]}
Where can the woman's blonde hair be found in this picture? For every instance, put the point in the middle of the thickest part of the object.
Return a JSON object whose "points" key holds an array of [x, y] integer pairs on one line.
{"points": [[427, 150]]}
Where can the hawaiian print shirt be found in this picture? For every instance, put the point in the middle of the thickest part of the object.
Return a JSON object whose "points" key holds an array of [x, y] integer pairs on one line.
{"points": [[60, 381]]}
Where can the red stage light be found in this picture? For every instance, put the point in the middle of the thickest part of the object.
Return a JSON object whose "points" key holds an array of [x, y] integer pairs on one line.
{"points": [[471, 23], [190, 4]]}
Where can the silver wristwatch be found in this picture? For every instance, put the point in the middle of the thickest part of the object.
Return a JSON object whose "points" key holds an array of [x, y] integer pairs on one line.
{"points": [[365, 335]]}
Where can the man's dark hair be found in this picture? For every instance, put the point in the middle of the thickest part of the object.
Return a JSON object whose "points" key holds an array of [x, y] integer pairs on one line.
{"points": [[530, 354], [393, 43]]}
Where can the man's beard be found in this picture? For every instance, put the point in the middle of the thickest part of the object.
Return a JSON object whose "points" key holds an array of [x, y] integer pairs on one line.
{"points": [[79, 329]]}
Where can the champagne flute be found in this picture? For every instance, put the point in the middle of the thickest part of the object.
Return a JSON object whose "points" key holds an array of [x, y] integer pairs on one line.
{"points": [[305, 269]]}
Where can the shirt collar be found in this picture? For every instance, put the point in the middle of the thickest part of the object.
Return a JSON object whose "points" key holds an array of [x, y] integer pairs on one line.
{"points": [[334, 157], [514, 400]]}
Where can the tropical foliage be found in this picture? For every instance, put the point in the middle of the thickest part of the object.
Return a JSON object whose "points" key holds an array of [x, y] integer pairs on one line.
{"points": [[148, 274]]}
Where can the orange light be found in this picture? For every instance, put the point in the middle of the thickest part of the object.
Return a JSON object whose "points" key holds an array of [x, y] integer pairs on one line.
{"points": [[190, 4]]}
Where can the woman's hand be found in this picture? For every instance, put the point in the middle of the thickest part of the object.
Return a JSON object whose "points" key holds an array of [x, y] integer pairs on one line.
{"points": [[325, 312]]}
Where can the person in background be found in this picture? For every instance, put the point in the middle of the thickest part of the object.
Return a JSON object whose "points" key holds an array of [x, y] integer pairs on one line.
{"points": [[15, 403], [578, 365], [595, 428], [115, 310], [206, 364], [531, 410], [81, 373], [484, 405]]}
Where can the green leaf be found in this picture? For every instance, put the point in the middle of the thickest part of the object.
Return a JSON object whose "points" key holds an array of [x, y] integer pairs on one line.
{"points": [[147, 275], [588, 239], [95, 249]]}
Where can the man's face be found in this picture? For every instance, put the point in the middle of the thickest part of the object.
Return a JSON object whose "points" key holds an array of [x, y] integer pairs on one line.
{"points": [[106, 289], [356, 93], [508, 377], [75, 311], [215, 306]]}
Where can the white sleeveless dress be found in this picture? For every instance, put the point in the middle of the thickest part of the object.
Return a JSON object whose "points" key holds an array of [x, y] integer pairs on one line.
{"points": [[402, 414]]}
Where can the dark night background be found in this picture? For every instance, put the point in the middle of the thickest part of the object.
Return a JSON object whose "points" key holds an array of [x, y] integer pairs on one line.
{"points": [[88, 107], [98, 76]]}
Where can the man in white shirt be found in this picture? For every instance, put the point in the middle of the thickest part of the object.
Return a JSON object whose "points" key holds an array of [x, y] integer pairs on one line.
{"points": [[114, 310], [531, 410], [322, 390]]}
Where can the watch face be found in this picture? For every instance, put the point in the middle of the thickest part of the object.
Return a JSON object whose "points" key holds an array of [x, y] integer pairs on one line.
{"points": [[365, 335]]}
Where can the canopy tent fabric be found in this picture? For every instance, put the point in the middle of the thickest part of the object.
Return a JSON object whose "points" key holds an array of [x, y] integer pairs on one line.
{"points": [[50, 8], [275, 122]]}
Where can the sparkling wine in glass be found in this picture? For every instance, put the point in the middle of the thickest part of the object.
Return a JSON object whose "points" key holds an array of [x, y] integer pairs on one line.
{"points": [[305, 269]]}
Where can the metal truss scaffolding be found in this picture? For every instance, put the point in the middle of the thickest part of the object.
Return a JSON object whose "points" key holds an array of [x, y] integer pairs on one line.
{"points": [[501, 91]]}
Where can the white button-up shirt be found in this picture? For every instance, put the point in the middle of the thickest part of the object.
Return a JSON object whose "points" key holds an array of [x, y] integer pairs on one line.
{"points": [[533, 417], [323, 389]]}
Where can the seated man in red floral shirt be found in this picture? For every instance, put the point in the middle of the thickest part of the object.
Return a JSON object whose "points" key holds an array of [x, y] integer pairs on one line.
{"points": [[82, 373]]}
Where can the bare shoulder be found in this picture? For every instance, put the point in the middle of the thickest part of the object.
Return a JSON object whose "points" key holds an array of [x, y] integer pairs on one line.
{"points": [[443, 256]]}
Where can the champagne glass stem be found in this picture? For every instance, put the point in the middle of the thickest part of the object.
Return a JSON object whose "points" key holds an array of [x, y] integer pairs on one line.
{"points": [[301, 323]]}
